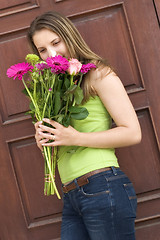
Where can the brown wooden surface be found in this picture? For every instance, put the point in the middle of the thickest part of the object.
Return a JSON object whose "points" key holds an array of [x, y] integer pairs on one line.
{"points": [[157, 9], [127, 34]]}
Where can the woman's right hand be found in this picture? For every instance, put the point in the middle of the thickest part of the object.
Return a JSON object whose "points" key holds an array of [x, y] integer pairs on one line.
{"points": [[38, 137]]}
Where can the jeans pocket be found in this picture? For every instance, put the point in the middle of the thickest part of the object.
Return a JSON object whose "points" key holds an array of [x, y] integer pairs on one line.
{"points": [[129, 189], [96, 187], [89, 194]]}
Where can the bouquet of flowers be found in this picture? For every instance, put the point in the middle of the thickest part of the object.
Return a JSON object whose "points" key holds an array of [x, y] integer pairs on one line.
{"points": [[54, 91]]}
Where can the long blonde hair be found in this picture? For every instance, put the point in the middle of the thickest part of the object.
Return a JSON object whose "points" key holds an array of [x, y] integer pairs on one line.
{"points": [[66, 30]]}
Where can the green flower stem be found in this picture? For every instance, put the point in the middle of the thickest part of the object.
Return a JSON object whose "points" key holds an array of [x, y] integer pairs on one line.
{"points": [[43, 85], [59, 84], [41, 81], [54, 160], [50, 188], [71, 80], [47, 174], [54, 157], [34, 103], [45, 182], [66, 108], [34, 91], [80, 80], [67, 103], [44, 109], [45, 105], [74, 102], [50, 172]]}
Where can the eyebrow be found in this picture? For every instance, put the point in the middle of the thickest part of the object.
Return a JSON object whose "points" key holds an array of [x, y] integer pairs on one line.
{"points": [[55, 39]]}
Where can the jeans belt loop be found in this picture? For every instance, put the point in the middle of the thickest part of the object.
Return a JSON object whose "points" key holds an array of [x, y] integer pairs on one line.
{"points": [[114, 170]]}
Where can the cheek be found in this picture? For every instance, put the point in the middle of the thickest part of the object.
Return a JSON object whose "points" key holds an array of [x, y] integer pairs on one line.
{"points": [[67, 53], [64, 50], [43, 57]]}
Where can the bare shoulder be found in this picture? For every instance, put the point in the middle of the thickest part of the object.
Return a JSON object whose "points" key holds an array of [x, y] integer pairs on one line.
{"points": [[100, 72], [104, 78]]}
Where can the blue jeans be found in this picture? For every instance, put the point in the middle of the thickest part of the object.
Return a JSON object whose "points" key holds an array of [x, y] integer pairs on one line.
{"points": [[103, 209]]}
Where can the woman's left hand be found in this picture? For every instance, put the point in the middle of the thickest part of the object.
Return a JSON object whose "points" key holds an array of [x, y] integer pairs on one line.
{"points": [[59, 134]]}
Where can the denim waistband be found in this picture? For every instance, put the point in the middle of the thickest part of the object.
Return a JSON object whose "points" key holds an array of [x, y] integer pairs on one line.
{"points": [[113, 173]]}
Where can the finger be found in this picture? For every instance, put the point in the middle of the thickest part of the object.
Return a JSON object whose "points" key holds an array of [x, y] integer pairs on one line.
{"points": [[46, 129], [38, 135], [38, 130], [53, 123], [36, 125], [39, 143], [46, 135], [51, 144], [43, 141], [38, 139]]}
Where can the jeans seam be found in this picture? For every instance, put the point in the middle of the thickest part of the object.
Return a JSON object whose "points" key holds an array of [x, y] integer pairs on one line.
{"points": [[112, 208], [130, 198]]}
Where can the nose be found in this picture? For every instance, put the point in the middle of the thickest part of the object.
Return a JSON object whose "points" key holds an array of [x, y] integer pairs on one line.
{"points": [[51, 53]]}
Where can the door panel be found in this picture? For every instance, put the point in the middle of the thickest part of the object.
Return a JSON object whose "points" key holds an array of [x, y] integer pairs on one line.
{"points": [[127, 34], [157, 9]]}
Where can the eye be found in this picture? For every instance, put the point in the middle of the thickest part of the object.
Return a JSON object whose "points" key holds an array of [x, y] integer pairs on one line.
{"points": [[56, 42], [42, 50]]}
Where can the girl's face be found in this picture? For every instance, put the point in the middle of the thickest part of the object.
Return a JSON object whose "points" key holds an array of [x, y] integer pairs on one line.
{"points": [[49, 44]]}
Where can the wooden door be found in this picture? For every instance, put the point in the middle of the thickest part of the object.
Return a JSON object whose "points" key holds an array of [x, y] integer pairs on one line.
{"points": [[126, 32]]}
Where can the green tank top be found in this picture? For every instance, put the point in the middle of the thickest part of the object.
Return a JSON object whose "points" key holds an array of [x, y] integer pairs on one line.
{"points": [[75, 161]]}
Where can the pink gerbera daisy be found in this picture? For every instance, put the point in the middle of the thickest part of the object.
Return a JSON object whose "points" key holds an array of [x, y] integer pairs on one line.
{"points": [[86, 67], [58, 64], [41, 66], [18, 70]]}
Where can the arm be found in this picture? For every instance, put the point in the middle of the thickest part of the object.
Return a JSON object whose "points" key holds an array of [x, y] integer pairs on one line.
{"points": [[127, 131], [114, 97]]}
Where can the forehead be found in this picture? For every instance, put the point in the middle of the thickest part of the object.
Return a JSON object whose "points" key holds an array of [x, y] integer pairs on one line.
{"points": [[44, 36]]}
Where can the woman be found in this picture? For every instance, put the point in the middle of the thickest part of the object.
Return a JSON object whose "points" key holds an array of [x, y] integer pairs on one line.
{"points": [[99, 200]]}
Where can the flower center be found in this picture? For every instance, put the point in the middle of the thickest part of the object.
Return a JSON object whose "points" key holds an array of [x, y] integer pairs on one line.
{"points": [[57, 63]]}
